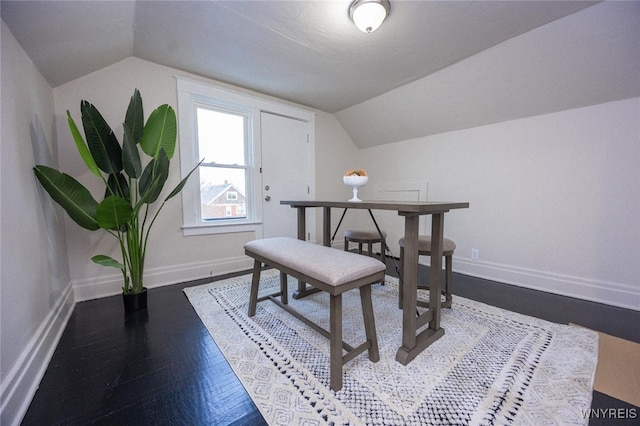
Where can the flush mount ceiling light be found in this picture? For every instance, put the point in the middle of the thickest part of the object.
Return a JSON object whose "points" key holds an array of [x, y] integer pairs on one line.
{"points": [[369, 14]]}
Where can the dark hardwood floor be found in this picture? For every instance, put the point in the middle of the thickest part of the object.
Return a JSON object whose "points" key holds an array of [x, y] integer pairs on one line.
{"points": [[160, 366]]}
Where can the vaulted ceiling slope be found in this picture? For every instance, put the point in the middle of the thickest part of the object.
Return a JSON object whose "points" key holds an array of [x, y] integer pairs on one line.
{"points": [[587, 58], [433, 65]]}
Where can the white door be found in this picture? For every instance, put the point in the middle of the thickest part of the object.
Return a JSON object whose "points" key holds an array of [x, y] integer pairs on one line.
{"points": [[287, 173]]}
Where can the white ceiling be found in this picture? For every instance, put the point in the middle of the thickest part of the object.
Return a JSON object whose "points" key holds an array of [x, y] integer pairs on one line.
{"points": [[308, 52]]}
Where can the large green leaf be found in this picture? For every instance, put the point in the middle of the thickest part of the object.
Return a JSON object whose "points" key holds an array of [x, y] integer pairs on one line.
{"points": [[113, 212], [103, 144], [183, 182], [160, 132], [133, 131], [153, 178], [134, 119], [82, 146], [130, 155], [70, 194], [117, 185], [105, 260]]}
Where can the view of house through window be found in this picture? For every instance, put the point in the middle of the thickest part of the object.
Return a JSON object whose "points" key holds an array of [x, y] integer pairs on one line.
{"points": [[222, 142]]}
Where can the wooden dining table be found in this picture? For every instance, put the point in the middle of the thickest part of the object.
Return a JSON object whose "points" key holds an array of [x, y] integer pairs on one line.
{"points": [[413, 342]]}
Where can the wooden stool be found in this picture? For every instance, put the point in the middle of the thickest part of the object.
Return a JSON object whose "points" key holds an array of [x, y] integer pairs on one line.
{"points": [[424, 249], [369, 237]]}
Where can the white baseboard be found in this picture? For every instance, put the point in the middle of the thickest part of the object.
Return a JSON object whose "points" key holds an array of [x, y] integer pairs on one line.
{"points": [[110, 285], [606, 292], [610, 293], [19, 385]]}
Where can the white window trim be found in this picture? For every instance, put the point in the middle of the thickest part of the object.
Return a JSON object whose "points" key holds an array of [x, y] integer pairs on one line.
{"points": [[192, 92]]}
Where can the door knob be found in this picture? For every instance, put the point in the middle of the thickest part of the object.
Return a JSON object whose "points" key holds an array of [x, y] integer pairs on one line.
{"points": [[267, 198]]}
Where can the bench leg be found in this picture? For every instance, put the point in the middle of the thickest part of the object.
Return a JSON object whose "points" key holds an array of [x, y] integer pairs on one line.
{"points": [[335, 341], [255, 283], [284, 291], [400, 281], [369, 322]]}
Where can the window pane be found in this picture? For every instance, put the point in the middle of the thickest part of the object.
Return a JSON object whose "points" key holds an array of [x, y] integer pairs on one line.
{"points": [[221, 137], [222, 193]]}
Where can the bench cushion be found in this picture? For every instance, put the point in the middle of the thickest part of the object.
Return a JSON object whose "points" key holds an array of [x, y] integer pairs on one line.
{"points": [[328, 265]]}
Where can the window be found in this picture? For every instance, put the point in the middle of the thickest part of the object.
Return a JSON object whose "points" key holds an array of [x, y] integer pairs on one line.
{"points": [[219, 127], [224, 173]]}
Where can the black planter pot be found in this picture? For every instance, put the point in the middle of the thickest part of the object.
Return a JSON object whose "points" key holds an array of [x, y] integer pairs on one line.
{"points": [[135, 302]]}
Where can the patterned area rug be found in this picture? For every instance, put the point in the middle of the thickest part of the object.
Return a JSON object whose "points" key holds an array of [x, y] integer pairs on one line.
{"points": [[492, 367]]}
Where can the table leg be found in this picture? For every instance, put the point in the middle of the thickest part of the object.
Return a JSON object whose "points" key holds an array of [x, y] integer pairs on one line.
{"points": [[410, 283], [326, 226], [303, 290], [302, 223], [437, 240], [413, 344]]}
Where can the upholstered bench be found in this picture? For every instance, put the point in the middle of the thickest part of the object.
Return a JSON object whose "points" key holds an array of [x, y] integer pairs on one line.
{"points": [[330, 270]]}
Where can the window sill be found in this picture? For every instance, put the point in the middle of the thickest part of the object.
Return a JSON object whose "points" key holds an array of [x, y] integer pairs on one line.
{"points": [[227, 228]]}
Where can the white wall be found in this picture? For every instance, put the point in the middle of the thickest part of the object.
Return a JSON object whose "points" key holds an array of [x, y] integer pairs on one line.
{"points": [[554, 199], [335, 154], [36, 296]]}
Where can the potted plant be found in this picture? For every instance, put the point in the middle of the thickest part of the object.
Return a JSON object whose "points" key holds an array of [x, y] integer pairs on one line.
{"points": [[131, 186]]}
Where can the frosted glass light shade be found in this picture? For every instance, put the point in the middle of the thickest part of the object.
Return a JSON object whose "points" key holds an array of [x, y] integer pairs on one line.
{"points": [[368, 15]]}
